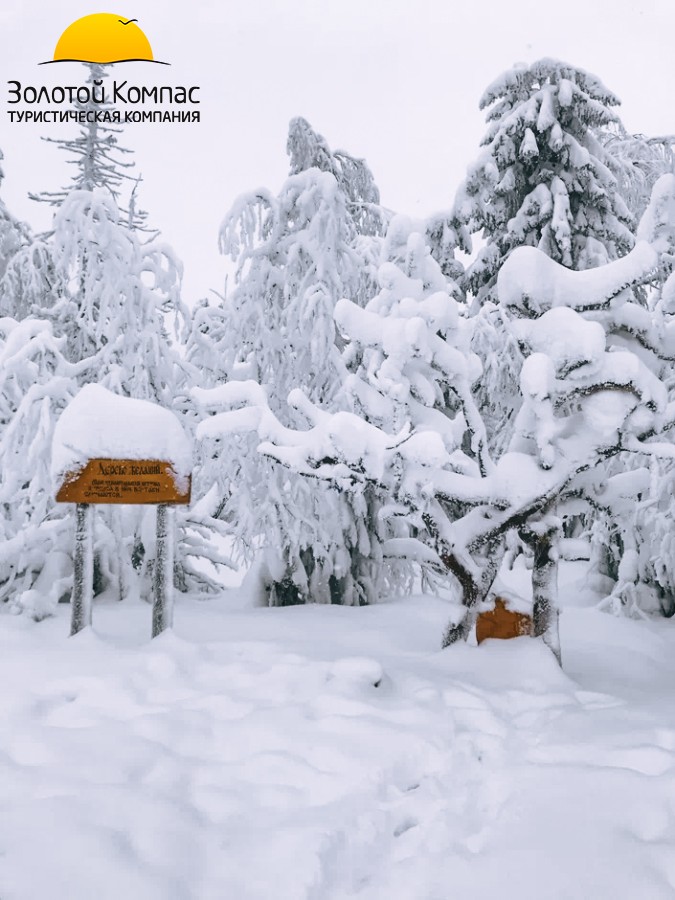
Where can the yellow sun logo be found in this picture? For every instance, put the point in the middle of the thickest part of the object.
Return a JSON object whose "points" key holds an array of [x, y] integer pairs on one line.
{"points": [[103, 38]]}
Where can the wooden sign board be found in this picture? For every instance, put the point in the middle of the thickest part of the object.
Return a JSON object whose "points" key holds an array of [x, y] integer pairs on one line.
{"points": [[125, 481], [502, 623]]}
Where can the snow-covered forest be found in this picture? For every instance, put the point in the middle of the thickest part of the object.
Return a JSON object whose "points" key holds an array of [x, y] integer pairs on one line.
{"points": [[405, 417], [376, 401]]}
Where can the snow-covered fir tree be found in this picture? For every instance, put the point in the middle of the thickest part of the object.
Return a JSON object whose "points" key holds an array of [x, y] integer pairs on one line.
{"points": [[99, 159], [396, 379], [111, 298], [391, 387], [497, 391], [114, 291], [367, 219], [544, 179], [30, 285], [295, 259], [105, 292], [108, 307], [36, 383], [309, 150]]}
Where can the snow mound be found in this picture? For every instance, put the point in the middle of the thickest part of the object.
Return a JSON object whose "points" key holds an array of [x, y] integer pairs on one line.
{"points": [[354, 674], [249, 755], [569, 340], [98, 424]]}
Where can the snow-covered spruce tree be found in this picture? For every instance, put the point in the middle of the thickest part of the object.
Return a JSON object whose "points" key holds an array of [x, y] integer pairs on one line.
{"points": [[112, 294], [397, 387], [113, 311], [210, 343], [36, 383], [626, 548], [13, 234], [583, 402], [295, 259], [109, 297], [32, 285], [391, 386], [544, 179], [626, 499], [309, 150], [97, 155]]}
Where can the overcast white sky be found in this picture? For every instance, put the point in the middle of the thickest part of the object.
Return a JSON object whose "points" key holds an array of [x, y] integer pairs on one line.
{"points": [[394, 81]]}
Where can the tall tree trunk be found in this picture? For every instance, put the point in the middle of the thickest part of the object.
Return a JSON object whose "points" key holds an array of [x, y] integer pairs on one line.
{"points": [[543, 537], [474, 589]]}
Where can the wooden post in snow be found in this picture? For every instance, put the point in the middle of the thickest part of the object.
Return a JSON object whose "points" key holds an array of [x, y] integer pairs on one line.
{"points": [[83, 574], [162, 610]]}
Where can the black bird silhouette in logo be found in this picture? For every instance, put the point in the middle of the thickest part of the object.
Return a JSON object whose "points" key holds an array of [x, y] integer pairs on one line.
{"points": [[127, 23]]}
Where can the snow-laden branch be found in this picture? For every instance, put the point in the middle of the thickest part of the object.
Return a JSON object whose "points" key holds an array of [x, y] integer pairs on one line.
{"points": [[529, 282]]}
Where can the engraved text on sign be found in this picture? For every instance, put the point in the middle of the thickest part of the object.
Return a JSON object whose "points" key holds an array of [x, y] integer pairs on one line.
{"points": [[125, 481]]}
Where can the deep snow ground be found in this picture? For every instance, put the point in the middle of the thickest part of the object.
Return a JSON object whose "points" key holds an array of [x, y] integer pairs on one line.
{"points": [[320, 753]]}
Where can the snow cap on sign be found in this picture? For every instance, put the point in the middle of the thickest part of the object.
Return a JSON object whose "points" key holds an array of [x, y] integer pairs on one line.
{"points": [[98, 424], [515, 588]]}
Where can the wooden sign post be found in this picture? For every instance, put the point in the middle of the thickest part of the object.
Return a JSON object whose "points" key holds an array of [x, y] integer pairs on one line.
{"points": [[83, 570], [162, 608], [143, 481]]}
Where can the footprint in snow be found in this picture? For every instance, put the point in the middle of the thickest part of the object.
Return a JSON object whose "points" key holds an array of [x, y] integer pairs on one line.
{"points": [[405, 825]]}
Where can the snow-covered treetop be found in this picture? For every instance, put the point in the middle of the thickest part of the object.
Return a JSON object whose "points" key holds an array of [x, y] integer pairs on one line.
{"points": [[115, 290], [98, 424], [519, 83], [106, 292], [308, 149], [294, 261], [98, 157], [543, 179]]}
